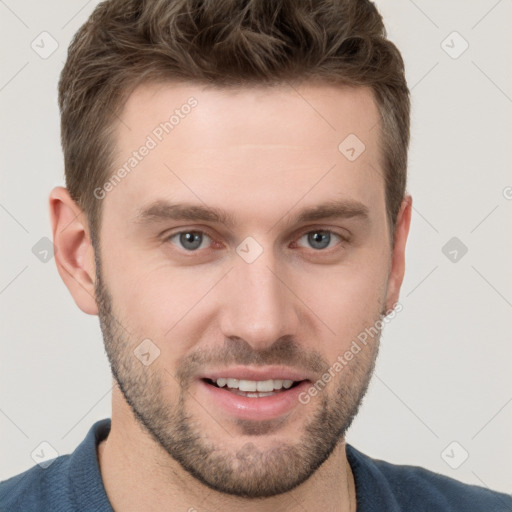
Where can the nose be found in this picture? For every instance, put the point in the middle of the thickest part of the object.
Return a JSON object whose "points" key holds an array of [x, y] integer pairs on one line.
{"points": [[258, 305]]}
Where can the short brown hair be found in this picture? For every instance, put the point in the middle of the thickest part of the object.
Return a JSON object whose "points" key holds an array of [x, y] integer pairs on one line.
{"points": [[223, 43]]}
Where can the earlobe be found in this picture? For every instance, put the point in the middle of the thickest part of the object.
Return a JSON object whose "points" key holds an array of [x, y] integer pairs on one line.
{"points": [[74, 254], [397, 269]]}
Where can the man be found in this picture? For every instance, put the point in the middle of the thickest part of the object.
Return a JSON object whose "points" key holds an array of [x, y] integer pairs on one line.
{"points": [[236, 215]]}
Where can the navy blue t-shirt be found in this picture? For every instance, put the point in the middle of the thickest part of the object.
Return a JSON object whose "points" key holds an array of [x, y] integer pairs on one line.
{"points": [[73, 483]]}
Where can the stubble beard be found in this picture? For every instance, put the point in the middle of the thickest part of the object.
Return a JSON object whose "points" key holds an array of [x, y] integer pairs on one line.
{"points": [[248, 471]]}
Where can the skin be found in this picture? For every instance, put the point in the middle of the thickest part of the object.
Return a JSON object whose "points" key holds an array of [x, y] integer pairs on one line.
{"points": [[262, 155]]}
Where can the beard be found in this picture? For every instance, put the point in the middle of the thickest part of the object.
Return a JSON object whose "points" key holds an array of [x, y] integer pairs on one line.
{"points": [[248, 471]]}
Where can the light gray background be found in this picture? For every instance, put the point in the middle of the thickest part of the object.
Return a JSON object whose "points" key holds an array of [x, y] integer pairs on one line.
{"points": [[444, 372]]}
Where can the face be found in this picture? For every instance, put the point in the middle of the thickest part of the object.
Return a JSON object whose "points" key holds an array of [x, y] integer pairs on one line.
{"points": [[241, 256]]}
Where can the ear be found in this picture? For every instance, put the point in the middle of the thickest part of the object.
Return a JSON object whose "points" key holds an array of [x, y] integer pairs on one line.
{"points": [[397, 270], [74, 254]]}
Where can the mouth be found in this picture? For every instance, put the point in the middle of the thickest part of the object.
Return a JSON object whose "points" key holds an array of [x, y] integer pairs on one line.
{"points": [[253, 388], [253, 394]]}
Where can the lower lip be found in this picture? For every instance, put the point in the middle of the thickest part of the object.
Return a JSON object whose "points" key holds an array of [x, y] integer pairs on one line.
{"points": [[264, 408]]}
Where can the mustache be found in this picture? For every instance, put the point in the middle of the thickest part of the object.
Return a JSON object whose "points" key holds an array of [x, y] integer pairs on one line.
{"points": [[237, 351]]}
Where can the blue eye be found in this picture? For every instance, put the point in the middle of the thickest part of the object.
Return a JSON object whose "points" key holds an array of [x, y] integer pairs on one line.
{"points": [[319, 239], [190, 240], [193, 240]]}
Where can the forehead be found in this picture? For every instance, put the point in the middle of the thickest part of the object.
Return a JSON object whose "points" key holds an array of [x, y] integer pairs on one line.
{"points": [[249, 114], [255, 149]]}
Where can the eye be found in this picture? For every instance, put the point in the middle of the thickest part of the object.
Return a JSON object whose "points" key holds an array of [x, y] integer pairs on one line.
{"points": [[190, 240], [193, 240], [320, 239]]}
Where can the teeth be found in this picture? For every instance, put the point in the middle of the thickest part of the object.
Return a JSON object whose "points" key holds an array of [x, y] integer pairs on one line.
{"points": [[247, 385], [232, 383], [264, 386]]}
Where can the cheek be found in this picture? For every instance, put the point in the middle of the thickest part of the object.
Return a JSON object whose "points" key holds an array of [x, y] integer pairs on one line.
{"points": [[347, 300], [156, 300]]}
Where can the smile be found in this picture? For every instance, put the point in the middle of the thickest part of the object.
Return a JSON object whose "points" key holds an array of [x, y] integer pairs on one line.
{"points": [[252, 398], [253, 388]]}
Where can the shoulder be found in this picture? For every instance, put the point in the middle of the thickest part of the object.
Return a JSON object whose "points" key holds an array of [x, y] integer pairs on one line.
{"points": [[67, 483], [35, 488], [415, 488]]}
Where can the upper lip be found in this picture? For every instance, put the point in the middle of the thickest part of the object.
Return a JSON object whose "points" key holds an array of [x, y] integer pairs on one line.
{"points": [[255, 373]]}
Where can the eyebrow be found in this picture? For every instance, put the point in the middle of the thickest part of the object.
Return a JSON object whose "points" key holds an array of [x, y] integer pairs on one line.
{"points": [[161, 210]]}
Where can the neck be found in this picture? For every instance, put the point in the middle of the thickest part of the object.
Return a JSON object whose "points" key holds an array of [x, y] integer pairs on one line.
{"points": [[139, 475]]}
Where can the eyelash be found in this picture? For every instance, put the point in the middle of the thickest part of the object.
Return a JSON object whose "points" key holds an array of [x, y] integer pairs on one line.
{"points": [[343, 239]]}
